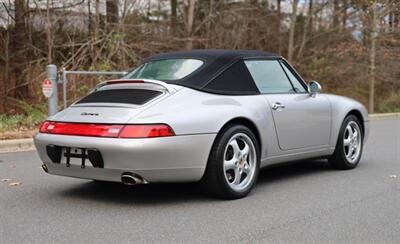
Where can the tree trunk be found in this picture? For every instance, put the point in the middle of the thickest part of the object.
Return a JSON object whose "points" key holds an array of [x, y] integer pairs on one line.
{"points": [[335, 13], [390, 21], [49, 34], [189, 24], [4, 82], [173, 23], [112, 11], [95, 38], [90, 27], [292, 29], [278, 3], [19, 61], [311, 16], [371, 104], [97, 20], [307, 29], [344, 15]]}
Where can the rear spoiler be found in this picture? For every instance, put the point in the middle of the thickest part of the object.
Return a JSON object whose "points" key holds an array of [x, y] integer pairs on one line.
{"points": [[136, 81]]}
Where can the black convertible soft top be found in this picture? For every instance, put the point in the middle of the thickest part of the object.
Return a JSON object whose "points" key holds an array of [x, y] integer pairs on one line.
{"points": [[223, 71]]}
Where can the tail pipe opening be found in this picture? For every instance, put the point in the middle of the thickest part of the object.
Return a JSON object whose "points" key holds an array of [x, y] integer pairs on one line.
{"points": [[45, 169], [131, 179]]}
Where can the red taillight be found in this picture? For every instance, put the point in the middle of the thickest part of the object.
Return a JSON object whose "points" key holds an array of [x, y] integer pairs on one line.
{"points": [[43, 127], [78, 129], [103, 130], [143, 131]]}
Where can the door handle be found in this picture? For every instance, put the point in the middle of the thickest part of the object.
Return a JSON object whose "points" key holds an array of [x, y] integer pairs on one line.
{"points": [[277, 106]]}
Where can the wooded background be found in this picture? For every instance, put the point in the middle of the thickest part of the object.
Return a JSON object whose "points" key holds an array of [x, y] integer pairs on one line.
{"points": [[352, 47]]}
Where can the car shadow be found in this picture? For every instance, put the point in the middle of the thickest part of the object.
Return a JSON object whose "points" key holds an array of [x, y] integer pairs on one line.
{"points": [[293, 170], [162, 193], [171, 193]]}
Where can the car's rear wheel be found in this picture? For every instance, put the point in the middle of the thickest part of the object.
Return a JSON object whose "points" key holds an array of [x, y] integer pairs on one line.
{"points": [[349, 145], [233, 165]]}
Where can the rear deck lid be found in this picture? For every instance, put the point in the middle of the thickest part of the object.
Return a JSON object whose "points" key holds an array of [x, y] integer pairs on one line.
{"points": [[114, 103], [120, 96]]}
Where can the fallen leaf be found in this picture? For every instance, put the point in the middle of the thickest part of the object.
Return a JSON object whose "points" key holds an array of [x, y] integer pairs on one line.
{"points": [[393, 176], [15, 183], [5, 180]]}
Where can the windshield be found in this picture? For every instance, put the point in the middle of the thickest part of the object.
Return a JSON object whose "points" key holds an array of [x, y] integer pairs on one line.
{"points": [[168, 69]]}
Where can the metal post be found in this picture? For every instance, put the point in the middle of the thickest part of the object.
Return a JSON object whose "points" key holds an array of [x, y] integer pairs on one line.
{"points": [[64, 81], [53, 99]]}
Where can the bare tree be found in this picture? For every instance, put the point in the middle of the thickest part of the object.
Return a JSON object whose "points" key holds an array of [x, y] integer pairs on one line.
{"points": [[173, 23], [56, 31], [90, 27], [278, 3], [292, 29], [49, 33], [344, 14], [96, 21], [372, 66], [95, 37], [19, 39], [112, 11], [189, 24], [335, 13], [307, 28]]}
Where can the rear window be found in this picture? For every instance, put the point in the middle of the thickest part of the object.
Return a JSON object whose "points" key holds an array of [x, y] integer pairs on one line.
{"points": [[130, 96], [165, 70]]}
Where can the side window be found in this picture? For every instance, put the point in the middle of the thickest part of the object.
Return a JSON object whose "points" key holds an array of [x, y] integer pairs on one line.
{"points": [[269, 76], [295, 81]]}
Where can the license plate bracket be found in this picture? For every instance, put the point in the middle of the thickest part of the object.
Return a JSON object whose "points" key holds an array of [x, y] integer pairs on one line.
{"points": [[70, 155], [79, 153]]}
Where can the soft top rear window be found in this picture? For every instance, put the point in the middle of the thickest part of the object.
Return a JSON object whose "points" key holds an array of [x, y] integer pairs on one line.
{"points": [[165, 69], [130, 96]]}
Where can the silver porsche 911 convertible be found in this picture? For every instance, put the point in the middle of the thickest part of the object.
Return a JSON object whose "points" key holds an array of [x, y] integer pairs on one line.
{"points": [[213, 116]]}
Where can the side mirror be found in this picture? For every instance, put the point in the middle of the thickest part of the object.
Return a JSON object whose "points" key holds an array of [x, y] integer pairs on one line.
{"points": [[314, 88]]}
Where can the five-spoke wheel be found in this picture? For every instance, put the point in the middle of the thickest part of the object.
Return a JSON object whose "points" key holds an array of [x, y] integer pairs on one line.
{"points": [[239, 161], [349, 145], [233, 164], [352, 141]]}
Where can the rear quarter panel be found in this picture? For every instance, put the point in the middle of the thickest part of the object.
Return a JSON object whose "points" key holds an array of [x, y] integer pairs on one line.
{"points": [[194, 112]]}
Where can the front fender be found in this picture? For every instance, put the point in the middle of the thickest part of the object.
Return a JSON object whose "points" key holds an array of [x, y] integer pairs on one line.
{"points": [[341, 107]]}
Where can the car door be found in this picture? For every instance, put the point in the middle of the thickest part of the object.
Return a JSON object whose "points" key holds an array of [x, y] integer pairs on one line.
{"points": [[301, 120]]}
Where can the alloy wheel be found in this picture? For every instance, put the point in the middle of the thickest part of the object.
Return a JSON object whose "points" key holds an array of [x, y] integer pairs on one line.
{"points": [[240, 162], [352, 141]]}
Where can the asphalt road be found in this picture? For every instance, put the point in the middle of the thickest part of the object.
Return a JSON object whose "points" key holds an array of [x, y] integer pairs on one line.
{"points": [[301, 203]]}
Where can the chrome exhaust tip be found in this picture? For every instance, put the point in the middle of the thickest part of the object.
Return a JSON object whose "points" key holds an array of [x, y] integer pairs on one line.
{"points": [[45, 169], [132, 179]]}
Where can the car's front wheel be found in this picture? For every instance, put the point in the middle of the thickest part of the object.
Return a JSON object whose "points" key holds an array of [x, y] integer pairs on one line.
{"points": [[349, 145], [233, 164]]}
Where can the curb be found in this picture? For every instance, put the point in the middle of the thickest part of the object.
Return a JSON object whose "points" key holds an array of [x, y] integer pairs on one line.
{"points": [[383, 116], [16, 145], [19, 145]]}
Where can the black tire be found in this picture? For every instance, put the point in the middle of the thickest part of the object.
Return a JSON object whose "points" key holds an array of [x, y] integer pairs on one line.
{"points": [[214, 181], [339, 160]]}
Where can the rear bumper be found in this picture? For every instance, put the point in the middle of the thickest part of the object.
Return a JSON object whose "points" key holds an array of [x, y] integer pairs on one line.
{"points": [[165, 159]]}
